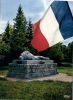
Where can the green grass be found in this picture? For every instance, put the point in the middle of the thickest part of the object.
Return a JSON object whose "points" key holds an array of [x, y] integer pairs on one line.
{"points": [[34, 90], [3, 72], [65, 70]]}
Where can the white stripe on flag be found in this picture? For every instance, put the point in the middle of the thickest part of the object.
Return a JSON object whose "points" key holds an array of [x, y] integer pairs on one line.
{"points": [[50, 28]]}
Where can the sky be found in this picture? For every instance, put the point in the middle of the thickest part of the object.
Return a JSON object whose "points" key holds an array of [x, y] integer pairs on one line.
{"points": [[33, 9]]}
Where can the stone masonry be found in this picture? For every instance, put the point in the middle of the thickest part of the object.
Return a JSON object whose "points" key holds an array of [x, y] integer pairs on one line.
{"points": [[29, 69]]}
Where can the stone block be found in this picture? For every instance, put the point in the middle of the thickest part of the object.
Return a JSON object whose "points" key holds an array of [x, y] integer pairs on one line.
{"points": [[29, 69]]}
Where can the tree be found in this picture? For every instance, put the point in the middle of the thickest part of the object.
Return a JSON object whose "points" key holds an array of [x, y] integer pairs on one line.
{"points": [[70, 52], [20, 24], [64, 49], [29, 37], [18, 39], [4, 53], [5, 45], [55, 53], [29, 34], [0, 37], [7, 34]]}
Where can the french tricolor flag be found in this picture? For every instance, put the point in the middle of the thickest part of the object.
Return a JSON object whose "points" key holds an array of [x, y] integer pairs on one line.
{"points": [[55, 26]]}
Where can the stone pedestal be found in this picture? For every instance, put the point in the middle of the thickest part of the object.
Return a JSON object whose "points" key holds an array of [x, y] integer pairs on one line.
{"points": [[28, 69]]}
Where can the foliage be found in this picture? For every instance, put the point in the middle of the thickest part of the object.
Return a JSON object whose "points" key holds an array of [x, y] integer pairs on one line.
{"points": [[64, 50], [6, 35], [21, 36], [20, 22], [55, 53], [65, 70], [70, 52], [29, 36], [4, 53], [0, 37], [17, 38], [3, 72], [5, 45], [59, 53], [46, 90]]}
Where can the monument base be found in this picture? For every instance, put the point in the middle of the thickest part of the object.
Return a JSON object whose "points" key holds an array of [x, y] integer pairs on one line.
{"points": [[29, 69]]}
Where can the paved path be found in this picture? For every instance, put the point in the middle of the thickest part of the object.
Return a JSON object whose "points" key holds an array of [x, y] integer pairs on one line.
{"points": [[57, 77]]}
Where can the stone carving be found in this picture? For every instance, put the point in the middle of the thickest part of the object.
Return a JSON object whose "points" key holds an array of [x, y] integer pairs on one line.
{"points": [[29, 66], [26, 55]]}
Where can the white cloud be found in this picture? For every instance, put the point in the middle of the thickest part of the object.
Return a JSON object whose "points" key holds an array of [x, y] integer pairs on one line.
{"points": [[44, 3], [11, 22], [47, 3], [3, 24], [38, 13], [71, 6], [67, 41]]}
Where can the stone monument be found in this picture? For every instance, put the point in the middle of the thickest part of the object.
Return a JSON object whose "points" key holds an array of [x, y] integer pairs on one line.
{"points": [[29, 66]]}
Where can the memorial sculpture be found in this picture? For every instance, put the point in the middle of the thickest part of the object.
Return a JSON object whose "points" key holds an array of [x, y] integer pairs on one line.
{"points": [[29, 66]]}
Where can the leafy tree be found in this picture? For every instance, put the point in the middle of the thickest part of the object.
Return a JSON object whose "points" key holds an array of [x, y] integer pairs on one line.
{"points": [[64, 49], [4, 53], [70, 52], [55, 53]]}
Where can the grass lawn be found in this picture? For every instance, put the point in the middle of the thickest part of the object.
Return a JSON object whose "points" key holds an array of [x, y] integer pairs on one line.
{"points": [[3, 72], [65, 70], [34, 90]]}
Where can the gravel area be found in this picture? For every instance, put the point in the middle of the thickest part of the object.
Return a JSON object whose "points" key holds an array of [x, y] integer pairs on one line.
{"points": [[57, 77]]}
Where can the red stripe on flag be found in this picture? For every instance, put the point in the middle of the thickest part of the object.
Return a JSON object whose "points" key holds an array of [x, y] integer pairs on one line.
{"points": [[34, 26], [39, 42]]}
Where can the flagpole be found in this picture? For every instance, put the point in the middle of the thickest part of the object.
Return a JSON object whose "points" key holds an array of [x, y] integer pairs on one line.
{"points": [[72, 72]]}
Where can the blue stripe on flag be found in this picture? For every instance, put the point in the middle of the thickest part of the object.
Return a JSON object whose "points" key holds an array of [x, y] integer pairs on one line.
{"points": [[64, 17]]}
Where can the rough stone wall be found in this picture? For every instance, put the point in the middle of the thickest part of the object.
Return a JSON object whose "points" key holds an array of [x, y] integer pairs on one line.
{"points": [[30, 70]]}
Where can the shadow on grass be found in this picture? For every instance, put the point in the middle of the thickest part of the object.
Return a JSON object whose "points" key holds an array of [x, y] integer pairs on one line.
{"points": [[3, 79]]}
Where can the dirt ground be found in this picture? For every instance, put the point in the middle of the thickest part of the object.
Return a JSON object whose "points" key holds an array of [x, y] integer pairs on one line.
{"points": [[57, 77]]}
